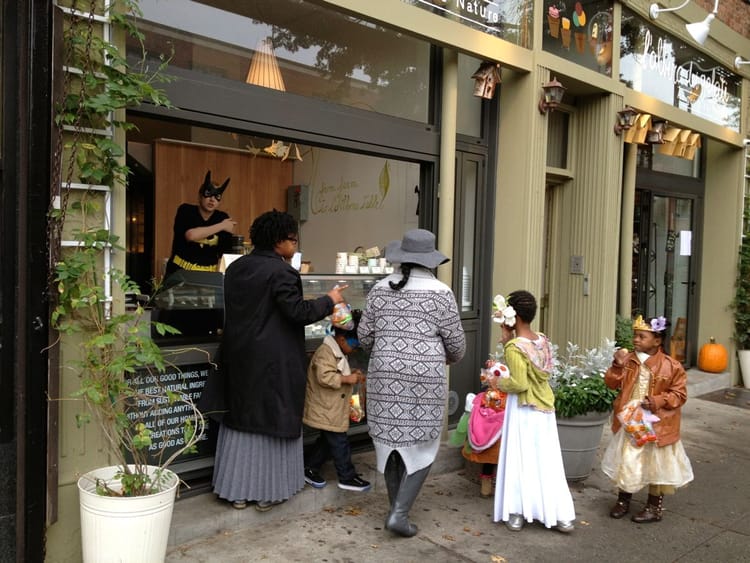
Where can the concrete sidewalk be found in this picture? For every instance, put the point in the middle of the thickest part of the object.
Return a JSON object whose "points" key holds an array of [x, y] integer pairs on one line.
{"points": [[707, 521]]}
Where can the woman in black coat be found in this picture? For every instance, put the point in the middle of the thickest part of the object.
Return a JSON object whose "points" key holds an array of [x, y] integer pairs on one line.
{"points": [[259, 451]]}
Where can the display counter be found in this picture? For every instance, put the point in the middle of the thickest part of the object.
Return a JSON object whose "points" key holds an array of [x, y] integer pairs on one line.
{"points": [[193, 303], [317, 285]]}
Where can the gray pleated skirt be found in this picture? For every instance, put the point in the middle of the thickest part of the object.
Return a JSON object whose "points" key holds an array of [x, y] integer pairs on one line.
{"points": [[256, 467]]}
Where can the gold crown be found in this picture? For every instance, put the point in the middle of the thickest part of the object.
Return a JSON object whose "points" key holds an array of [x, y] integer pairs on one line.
{"points": [[640, 324], [657, 324]]}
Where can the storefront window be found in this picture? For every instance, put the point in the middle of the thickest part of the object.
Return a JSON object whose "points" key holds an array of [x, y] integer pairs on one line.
{"points": [[345, 202], [557, 139], [653, 160], [469, 116], [511, 20], [580, 32], [296, 47], [656, 64]]}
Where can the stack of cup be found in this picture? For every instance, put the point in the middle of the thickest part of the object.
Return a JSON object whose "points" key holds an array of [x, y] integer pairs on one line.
{"points": [[341, 261]]}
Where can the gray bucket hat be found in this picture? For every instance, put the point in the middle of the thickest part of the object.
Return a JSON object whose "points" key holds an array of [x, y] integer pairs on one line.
{"points": [[417, 247]]}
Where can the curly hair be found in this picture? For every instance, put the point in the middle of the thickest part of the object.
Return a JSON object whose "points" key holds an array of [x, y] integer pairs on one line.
{"points": [[271, 228], [524, 303]]}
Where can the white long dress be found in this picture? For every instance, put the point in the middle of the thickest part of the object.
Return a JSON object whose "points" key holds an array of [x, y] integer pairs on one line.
{"points": [[530, 473]]}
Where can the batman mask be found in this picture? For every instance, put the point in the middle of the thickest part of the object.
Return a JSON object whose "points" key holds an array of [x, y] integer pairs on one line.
{"points": [[209, 189]]}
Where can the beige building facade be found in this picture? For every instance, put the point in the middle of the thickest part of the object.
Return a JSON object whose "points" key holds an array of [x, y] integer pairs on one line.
{"points": [[590, 220]]}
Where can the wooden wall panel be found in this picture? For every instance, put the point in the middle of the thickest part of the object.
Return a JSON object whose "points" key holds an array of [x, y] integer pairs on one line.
{"points": [[257, 184]]}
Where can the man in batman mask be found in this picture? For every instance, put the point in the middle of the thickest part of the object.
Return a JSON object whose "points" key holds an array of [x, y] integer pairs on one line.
{"points": [[202, 233]]}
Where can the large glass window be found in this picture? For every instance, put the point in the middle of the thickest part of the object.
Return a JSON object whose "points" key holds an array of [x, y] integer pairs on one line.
{"points": [[653, 160], [656, 64], [297, 47], [580, 31], [345, 202], [469, 114]]}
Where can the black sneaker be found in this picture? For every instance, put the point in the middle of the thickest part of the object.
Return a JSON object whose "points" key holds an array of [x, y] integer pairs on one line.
{"points": [[356, 483], [314, 479]]}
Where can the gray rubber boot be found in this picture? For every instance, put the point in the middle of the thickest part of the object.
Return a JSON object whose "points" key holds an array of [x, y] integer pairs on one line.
{"points": [[398, 519], [393, 474]]}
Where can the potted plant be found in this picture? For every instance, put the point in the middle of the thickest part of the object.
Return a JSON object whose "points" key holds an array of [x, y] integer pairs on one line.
{"points": [[582, 404], [741, 306], [111, 346]]}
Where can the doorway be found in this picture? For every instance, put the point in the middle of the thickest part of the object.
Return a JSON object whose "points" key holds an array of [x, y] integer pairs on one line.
{"points": [[469, 247], [663, 270]]}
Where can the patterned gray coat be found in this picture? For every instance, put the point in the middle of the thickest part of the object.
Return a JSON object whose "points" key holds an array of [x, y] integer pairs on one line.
{"points": [[411, 334]]}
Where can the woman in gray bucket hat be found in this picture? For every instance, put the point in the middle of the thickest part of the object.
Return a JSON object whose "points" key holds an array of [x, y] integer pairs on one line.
{"points": [[411, 327]]}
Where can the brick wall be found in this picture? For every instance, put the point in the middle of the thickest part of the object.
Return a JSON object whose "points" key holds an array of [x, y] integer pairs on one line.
{"points": [[733, 13]]}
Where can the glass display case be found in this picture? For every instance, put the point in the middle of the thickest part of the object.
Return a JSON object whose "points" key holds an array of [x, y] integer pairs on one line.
{"points": [[317, 285], [192, 302]]}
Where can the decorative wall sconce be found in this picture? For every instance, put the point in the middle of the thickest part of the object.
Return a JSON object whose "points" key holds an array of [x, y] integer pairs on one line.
{"points": [[655, 135], [738, 62], [625, 120], [698, 30], [553, 95], [486, 78]]}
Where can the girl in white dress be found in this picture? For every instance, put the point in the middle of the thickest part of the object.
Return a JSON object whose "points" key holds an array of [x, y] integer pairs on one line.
{"points": [[531, 481]]}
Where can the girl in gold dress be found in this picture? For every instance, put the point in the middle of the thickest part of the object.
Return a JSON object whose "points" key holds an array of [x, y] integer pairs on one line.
{"points": [[649, 379]]}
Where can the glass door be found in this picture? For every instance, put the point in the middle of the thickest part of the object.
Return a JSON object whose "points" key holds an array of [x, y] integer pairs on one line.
{"points": [[663, 282]]}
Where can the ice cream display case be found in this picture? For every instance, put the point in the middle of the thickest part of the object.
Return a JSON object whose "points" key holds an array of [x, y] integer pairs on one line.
{"points": [[193, 303], [317, 285]]}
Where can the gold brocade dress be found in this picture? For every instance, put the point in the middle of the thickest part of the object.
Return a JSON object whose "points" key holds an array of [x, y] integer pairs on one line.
{"points": [[632, 467]]}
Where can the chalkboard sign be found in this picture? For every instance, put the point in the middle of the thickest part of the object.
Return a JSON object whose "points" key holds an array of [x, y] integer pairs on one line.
{"points": [[166, 421]]}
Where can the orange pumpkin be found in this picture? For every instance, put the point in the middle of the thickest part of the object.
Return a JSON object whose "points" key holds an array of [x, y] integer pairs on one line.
{"points": [[712, 357]]}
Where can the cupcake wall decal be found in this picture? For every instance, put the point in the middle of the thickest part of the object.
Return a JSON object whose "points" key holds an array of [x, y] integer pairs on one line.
{"points": [[554, 13], [579, 27]]}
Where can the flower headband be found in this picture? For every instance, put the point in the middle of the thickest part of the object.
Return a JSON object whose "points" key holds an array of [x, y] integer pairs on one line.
{"points": [[657, 324], [502, 312]]}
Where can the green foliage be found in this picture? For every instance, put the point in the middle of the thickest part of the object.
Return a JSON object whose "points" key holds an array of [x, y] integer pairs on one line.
{"points": [[578, 380], [115, 347], [624, 332], [741, 302]]}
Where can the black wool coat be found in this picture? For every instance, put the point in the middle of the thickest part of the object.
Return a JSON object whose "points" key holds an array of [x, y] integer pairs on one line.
{"points": [[263, 345]]}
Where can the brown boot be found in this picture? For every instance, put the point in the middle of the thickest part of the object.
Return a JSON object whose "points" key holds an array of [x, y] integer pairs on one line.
{"points": [[652, 511], [485, 482], [622, 506]]}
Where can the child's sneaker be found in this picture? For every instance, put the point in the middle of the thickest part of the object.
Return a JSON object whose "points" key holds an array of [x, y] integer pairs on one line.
{"points": [[356, 483], [314, 479]]}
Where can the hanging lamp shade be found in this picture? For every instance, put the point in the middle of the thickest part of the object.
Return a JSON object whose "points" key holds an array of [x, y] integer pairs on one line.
{"points": [[264, 68]]}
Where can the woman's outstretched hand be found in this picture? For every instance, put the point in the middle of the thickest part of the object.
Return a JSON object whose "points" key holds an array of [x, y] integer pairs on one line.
{"points": [[336, 295]]}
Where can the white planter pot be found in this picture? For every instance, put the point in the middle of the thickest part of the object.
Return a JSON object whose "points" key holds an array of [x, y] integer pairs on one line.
{"points": [[744, 357], [579, 442], [124, 529]]}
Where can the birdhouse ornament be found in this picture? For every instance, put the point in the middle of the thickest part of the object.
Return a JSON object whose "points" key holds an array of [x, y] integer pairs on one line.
{"points": [[486, 78]]}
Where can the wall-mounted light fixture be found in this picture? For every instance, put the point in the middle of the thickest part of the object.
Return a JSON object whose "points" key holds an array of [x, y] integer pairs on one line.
{"points": [[738, 62], [552, 96], [625, 120], [655, 135], [698, 30], [486, 78]]}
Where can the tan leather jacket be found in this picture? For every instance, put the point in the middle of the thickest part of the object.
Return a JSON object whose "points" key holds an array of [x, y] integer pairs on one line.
{"points": [[667, 390]]}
